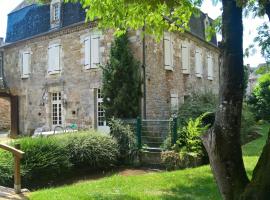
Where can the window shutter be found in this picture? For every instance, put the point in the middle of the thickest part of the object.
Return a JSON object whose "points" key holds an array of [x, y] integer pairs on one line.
{"points": [[168, 52], [174, 103], [95, 51], [25, 64], [185, 58], [87, 53], [57, 58], [50, 59], [198, 63], [210, 66]]}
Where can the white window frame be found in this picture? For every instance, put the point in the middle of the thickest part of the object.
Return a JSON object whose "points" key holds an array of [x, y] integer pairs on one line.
{"points": [[56, 12], [101, 120], [56, 109], [198, 63], [25, 64], [168, 51], [51, 50], [90, 51], [185, 54]]}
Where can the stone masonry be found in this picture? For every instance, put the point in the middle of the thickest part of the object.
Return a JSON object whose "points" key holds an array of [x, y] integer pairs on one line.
{"points": [[4, 114]]}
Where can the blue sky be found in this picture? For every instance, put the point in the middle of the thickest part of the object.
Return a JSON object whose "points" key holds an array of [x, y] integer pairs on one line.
{"points": [[250, 25]]}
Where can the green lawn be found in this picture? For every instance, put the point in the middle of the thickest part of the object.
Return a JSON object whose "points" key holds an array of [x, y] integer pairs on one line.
{"points": [[197, 183]]}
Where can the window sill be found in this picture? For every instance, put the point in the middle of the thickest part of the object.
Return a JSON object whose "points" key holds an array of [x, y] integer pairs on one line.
{"points": [[210, 78], [169, 68], [199, 75], [54, 73], [25, 77]]}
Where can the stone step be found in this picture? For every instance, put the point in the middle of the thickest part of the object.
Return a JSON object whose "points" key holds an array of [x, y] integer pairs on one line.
{"points": [[151, 159], [8, 193]]}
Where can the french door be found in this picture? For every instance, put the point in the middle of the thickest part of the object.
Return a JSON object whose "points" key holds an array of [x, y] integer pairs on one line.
{"points": [[57, 110]]}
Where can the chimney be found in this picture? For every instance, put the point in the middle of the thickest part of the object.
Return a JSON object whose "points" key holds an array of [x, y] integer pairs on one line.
{"points": [[1, 41]]}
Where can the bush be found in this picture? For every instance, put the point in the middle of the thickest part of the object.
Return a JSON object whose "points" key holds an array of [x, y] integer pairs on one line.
{"points": [[125, 138], [170, 159], [248, 123], [260, 98], [189, 136], [196, 105], [96, 151], [50, 159]]}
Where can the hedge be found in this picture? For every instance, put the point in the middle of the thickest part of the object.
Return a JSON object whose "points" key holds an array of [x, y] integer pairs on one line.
{"points": [[48, 159]]}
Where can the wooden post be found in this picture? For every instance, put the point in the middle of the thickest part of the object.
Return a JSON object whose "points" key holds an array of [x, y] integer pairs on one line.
{"points": [[17, 172]]}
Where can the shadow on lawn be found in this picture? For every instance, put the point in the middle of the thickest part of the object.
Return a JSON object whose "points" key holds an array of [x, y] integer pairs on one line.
{"points": [[200, 188]]}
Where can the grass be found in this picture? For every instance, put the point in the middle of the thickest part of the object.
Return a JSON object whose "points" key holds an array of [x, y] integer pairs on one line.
{"points": [[189, 184]]}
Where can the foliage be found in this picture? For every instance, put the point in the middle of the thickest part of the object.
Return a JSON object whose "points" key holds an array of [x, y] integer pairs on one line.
{"points": [[95, 151], [189, 136], [195, 183], [248, 122], [260, 98], [125, 138], [159, 15], [196, 105], [263, 39], [170, 159], [49, 159], [121, 81]]}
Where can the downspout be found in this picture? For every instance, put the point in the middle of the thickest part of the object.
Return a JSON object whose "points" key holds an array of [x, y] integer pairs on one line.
{"points": [[144, 73]]}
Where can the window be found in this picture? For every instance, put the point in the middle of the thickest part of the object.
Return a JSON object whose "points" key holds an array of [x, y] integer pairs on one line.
{"points": [[25, 70], [206, 26], [100, 110], [174, 103], [56, 11], [185, 58], [198, 63], [56, 109], [54, 59], [92, 51], [210, 67], [168, 52]]}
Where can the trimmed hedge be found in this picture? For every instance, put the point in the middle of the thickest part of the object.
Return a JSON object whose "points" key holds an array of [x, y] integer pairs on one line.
{"points": [[49, 159]]}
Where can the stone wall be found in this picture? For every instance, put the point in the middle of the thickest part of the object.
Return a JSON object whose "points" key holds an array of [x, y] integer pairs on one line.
{"points": [[4, 114], [161, 83], [74, 82], [77, 85]]}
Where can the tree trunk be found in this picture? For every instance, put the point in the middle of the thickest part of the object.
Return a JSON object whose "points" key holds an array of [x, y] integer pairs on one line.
{"points": [[222, 142], [259, 187], [267, 9]]}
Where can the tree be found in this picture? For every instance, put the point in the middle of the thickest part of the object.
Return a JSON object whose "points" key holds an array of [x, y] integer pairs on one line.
{"points": [[260, 98], [223, 140], [121, 81]]}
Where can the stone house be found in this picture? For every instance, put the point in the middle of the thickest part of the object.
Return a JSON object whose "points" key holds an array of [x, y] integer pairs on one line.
{"points": [[51, 63]]}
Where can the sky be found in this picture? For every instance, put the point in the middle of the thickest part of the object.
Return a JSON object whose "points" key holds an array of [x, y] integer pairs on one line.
{"points": [[250, 25]]}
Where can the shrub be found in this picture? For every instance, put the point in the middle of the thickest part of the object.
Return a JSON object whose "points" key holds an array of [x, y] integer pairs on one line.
{"points": [[50, 159], [125, 138], [260, 98], [196, 105], [248, 123], [189, 136], [91, 150], [170, 159]]}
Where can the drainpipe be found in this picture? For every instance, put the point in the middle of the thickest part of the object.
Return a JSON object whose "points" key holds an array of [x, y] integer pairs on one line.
{"points": [[144, 73]]}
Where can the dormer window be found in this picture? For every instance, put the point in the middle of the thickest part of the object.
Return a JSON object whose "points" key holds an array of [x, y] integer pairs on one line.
{"points": [[206, 26], [55, 13]]}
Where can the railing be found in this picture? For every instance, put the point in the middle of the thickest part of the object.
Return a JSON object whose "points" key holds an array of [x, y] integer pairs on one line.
{"points": [[153, 133], [17, 154]]}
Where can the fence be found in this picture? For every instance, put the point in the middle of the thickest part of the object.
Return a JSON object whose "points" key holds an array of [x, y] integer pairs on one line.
{"points": [[152, 133]]}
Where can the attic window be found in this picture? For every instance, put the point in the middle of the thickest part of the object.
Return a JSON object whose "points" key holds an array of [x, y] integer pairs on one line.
{"points": [[56, 12], [206, 25]]}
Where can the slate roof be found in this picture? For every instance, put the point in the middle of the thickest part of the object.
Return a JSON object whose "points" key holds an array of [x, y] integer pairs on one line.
{"points": [[30, 19]]}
